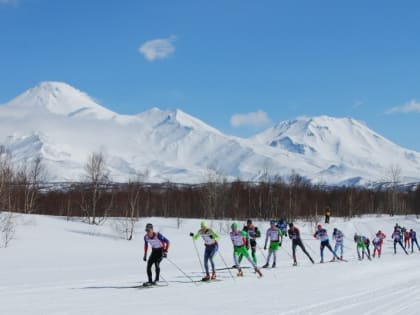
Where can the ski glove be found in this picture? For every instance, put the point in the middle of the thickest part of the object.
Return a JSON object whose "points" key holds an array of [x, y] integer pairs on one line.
{"points": [[144, 258], [165, 254], [191, 234], [265, 247]]}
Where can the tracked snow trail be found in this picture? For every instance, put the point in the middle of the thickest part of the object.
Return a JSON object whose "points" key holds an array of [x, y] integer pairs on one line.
{"points": [[50, 269]]}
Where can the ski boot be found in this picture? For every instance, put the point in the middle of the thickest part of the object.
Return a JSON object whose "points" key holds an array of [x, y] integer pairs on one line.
{"points": [[240, 273], [206, 277], [213, 276], [295, 263], [265, 266], [258, 271]]}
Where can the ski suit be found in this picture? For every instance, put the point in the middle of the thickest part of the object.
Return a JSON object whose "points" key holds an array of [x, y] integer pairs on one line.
{"points": [[414, 240], [210, 239], [294, 235], [338, 237], [322, 235], [275, 235], [396, 236], [251, 240], [160, 246]]}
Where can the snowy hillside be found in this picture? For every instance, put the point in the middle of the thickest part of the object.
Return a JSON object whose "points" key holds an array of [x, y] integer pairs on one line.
{"points": [[54, 266], [64, 126]]}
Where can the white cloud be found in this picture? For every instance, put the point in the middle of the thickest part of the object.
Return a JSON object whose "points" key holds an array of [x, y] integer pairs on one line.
{"points": [[9, 2], [412, 106], [159, 48], [254, 119]]}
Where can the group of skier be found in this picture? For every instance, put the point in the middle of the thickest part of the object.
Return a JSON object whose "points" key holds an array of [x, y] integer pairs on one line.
{"points": [[246, 238]]}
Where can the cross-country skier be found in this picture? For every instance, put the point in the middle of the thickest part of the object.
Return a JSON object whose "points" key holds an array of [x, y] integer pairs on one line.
{"points": [[239, 240], [397, 237], [413, 236], [210, 239], [367, 244], [378, 242], [361, 246], [294, 235], [407, 239], [322, 235], [338, 237], [160, 246], [282, 225], [275, 235], [251, 240]]}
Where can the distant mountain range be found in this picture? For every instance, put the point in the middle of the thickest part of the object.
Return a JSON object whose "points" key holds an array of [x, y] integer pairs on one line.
{"points": [[63, 126]]}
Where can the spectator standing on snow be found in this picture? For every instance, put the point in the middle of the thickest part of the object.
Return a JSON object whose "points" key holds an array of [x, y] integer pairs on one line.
{"points": [[275, 235], [251, 240], [160, 246], [239, 240], [413, 236], [322, 235], [338, 237], [397, 237], [294, 235], [327, 215], [210, 239]]}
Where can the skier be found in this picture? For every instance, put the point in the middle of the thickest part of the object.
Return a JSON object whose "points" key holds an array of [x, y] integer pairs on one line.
{"points": [[282, 225], [210, 239], [413, 236], [239, 240], [327, 215], [160, 246], [338, 237], [322, 235], [294, 235], [367, 244], [378, 242], [276, 238], [361, 246], [396, 236], [251, 240], [407, 239]]}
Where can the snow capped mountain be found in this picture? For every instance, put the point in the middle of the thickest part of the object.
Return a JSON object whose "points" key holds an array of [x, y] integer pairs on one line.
{"points": [[60, 98], [344, 144], [63, 126]]}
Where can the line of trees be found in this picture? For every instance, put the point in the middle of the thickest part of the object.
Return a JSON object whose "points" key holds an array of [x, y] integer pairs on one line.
{"points": [[95, 198]]}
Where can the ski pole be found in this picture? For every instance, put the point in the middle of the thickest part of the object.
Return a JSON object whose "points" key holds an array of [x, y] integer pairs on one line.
{"points": [[182, 271], [198, 256], [230, 272], [262, 252]]}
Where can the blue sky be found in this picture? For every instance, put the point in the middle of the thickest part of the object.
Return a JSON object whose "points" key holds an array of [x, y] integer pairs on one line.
{"points": [[238, 65]]}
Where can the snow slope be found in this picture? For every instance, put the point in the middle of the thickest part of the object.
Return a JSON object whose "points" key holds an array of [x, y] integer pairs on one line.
{"points": [[54, 266], [63, 126]]}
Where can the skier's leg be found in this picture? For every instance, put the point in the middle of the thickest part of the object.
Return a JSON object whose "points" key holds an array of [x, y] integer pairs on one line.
{"points": [[157, 266], [211, 255], [150, 263], [294, 245], [206, 259], [395, 246]]}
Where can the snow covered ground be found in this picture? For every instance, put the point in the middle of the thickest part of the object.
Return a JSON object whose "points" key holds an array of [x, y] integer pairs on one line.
{"points": [[54, 266]]}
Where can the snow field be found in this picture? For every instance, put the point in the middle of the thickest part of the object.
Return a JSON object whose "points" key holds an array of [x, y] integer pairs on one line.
{"points": [[54, 266]]}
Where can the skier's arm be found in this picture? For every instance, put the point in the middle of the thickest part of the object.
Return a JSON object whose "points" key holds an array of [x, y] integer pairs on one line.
{"points": [[164, 241], [146, 245], [214, 236], [196, 236]]}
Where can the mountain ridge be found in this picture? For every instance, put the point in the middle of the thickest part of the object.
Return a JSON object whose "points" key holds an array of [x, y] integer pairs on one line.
{"points": [[66, 125]]}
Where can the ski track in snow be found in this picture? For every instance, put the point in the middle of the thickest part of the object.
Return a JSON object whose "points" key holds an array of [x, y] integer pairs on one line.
{"points": [[49, 270]]}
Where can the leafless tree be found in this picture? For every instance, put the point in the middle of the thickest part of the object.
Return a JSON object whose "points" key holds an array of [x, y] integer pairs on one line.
{"points": [[126, 224], [7, 227], [92, 203]]}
